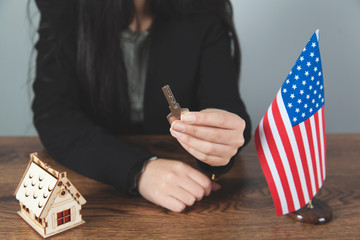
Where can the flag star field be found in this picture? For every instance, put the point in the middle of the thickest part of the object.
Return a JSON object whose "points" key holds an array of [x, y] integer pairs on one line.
{"points": [[303, 89]]}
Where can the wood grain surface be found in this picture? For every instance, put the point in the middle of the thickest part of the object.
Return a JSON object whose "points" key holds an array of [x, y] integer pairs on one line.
{"points": [[242, 209]]}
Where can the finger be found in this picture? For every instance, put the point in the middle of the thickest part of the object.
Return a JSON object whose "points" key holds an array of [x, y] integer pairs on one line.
{"points": [[204, 147], [183, 196], [209, 134], [220, 119], [201, 179], [209, 159], [193, 187], [171, 203], [172, 119]]}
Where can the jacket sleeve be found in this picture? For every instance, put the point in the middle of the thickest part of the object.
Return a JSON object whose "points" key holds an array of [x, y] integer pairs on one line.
{"points": [[218, 82], [67, 134]]}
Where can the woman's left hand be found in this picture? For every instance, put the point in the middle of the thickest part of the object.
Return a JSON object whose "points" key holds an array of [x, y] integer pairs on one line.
{"points": [[212, 135]]}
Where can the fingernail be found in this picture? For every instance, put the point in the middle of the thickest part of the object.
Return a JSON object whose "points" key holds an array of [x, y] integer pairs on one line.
{"points": [[188, 117], [174, 133], [172, 124], [178, 127]]}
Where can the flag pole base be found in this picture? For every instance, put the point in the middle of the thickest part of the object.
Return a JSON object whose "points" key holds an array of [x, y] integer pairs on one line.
{"points": [[316, 212]]}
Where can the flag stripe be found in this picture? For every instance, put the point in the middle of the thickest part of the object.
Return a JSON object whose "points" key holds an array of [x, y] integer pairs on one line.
{"points": [[288, 159], [282, 168], [302, 152], [324, 137], [302, 143], [322, 140], [312, 152], [304, 198], [313, 131], [317, 132], [308, 156], [269, 169]]}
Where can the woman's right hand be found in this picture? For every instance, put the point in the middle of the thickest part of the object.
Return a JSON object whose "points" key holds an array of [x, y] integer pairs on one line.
{"points": [[174, 184]]}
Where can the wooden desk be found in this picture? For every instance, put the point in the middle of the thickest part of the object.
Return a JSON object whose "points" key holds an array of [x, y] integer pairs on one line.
{"points": [[242, 209]]}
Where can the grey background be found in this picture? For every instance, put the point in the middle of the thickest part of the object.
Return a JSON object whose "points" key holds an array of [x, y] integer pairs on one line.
{"points": [[272, 35]]}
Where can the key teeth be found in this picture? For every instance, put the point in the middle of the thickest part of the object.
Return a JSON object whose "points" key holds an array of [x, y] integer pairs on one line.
{"points": [[174, 106]]}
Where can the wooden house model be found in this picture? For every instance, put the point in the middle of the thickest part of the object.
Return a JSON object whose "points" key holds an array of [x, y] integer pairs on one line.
{"points": [[49, 202]]}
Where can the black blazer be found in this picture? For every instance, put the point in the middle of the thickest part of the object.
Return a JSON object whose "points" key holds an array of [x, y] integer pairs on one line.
{"points": [[192, 54]]}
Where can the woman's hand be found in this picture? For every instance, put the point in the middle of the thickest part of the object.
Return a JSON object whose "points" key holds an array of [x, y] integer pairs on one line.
{"points": [[213, 136], [174, 184]]}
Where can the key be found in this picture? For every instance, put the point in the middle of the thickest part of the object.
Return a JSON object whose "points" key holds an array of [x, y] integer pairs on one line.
{"points": [[174, 106]]}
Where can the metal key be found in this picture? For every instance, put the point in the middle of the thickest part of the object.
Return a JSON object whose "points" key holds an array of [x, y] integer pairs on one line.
{"points": [[174, 106]]}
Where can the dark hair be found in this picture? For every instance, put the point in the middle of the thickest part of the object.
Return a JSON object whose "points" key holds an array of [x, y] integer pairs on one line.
{"points": [[100, 66]]}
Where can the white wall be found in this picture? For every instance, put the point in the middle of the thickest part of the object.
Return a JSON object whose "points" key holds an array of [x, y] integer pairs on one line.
{"points": [[272, 34], [15, 48]]}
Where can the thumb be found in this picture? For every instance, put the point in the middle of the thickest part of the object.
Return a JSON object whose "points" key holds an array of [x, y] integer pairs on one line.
{"points": [[215, 186]]}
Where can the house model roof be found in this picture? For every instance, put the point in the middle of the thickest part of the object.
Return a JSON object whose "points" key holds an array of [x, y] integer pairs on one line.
{"points": [[39, 186]]}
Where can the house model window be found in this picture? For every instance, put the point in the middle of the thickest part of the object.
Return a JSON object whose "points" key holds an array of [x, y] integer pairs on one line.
{"points": [[48, 205], [63, 217]]}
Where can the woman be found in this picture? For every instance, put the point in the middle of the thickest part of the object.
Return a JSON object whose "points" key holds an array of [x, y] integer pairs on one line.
{"points": [[100, 69]]}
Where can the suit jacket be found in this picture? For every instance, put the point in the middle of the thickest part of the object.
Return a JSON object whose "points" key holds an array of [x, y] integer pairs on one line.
{"points": [[192, 54]]}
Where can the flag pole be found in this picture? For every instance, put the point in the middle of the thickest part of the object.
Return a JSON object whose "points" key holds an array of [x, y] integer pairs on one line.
{"points": [[315, 212], [310, 205]]}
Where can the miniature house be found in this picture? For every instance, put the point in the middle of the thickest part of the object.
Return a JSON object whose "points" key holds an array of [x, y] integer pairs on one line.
{"points": [[48, 200]]}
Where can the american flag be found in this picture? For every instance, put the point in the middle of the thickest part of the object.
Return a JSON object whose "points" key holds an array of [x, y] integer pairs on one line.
{"points": [[290, 139]]}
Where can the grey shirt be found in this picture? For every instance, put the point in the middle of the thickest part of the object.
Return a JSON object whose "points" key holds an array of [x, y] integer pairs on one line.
{"points": [[135, 48]]}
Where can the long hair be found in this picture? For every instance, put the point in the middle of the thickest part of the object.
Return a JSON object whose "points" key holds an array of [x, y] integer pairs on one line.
{"points": [[100, 66]]}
